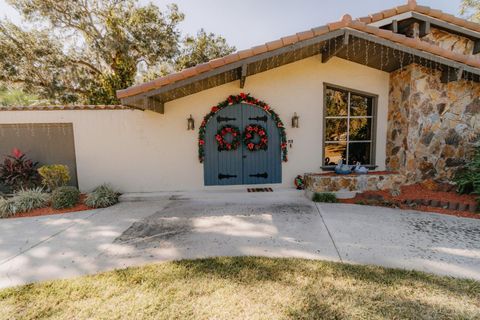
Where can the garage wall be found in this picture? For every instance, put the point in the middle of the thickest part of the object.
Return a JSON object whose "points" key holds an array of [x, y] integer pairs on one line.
{"points": [[140, 151], [47, 143]]}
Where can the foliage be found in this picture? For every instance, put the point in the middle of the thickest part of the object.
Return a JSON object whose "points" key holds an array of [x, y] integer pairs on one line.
{"points": [[7, 207], [222, 133], [17, 171], [65, 197], [54, 176], [324, 197], [204, 47], [471, 9], [83, 51], [16, 97], [29, 199], [102, 197], [467, 179]]}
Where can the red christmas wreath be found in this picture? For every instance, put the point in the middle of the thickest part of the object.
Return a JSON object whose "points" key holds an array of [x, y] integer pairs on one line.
{"points": [[250, 133], [222, 133]]}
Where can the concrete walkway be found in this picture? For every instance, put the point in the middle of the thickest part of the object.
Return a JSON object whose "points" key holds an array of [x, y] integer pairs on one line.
{"points": [[278, 224]]}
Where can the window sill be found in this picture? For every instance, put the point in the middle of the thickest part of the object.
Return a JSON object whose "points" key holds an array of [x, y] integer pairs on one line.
{"points": [[332, 168]]}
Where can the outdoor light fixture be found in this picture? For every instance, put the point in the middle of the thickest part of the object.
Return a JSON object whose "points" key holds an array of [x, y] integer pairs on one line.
{"points": [[295, 120], [190, 123]]}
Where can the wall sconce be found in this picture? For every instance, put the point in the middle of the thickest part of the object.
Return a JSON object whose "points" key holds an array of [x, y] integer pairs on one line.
{"points": [[295, 121], [190, 123]]}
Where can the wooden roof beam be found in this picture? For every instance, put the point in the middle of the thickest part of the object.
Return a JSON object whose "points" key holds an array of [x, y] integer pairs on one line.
{"points": [[451, 74], [327, 54], [243, 75]]}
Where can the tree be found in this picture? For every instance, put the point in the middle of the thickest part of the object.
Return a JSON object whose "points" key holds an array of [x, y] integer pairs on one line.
{"points": [[471, 9], [204, 47], [83, 51]]}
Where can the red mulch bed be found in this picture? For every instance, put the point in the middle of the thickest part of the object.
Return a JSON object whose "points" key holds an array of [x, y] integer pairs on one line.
{"points": [[49, 210], [418, 191]]}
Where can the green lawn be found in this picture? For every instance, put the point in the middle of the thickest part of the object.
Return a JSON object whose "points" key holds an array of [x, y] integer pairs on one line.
{"points": [[247, 288]]}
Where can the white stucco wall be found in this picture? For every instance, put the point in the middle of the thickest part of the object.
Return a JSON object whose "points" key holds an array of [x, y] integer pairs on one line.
{"points": [[144, 151]]}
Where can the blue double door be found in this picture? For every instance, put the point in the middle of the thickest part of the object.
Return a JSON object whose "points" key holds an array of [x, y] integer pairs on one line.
{"points": [[242, 166]]}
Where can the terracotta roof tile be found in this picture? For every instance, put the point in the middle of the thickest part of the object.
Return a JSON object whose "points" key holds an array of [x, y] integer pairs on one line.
{"points": [[259, 49], [389, 13], [305, 35], [423, 9], [234, 57], [365, 19], [215, 63], [318, 31], [204, 67], [402, 9], [336, 25], [435, 13], [272, 45], [377, 16], [290, 39], [190, 72], [245, 53]]}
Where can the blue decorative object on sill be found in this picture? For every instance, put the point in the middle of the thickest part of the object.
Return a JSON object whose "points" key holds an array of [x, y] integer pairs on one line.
{"points": [[359, 169], [343, 168]]}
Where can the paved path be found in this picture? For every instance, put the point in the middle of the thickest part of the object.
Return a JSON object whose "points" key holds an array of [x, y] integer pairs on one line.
{"points": [[279, 224]]}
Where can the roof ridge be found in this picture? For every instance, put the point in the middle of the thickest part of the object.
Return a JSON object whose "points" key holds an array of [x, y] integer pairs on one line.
{"points": [[346, 21]]}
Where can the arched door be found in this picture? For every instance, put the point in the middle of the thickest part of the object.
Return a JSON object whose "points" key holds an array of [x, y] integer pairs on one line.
{"points": [[242, 166]]}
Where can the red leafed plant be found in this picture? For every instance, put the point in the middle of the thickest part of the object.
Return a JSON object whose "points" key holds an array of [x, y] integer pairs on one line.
{"points": [[18, 172]]}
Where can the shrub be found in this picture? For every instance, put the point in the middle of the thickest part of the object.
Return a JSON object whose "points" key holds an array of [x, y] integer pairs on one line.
{"points": [[30, 199], [102, 197], [7, 208], [65, 197], [324, 197], [18, 172], [54, 176], [467, 179]]}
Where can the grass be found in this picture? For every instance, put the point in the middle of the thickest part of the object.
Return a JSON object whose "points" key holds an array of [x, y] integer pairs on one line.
{"points": [[247, 288]]}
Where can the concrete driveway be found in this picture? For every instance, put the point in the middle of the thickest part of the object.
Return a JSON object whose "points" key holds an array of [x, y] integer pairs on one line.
{"points": [[279, 224]]}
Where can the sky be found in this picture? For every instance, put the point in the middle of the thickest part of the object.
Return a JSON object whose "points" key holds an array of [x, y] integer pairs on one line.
{"points": [[247, 23]]}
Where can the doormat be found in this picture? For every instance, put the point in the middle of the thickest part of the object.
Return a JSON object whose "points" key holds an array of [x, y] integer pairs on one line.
{"points": [[259, 189]]}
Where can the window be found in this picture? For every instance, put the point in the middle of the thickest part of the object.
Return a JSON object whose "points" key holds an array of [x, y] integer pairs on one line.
{"points": [[349, 119]]}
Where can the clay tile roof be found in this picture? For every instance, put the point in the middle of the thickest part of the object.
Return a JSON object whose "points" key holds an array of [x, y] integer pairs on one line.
{"points": [[64, 108], [290, 39], [361, 24]]}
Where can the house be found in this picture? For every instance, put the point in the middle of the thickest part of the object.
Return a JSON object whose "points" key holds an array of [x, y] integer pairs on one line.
{"points": [[397, 91]]}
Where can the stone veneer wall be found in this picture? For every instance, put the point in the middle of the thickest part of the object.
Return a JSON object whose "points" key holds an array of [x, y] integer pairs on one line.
{"points": [[432, 127], [449, 41], [315, 182]]}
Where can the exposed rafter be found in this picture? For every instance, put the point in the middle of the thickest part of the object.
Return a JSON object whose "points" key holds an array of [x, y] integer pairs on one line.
{"points": [[425, 28], [452, 74], [243, 75]]}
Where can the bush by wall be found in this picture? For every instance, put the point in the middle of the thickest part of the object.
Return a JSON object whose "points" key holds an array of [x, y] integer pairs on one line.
{"points": [[102, 197], [7, 208], [54, 176], [467, 179], [29, 199], [65, 197], [324, 197], [18, 172]]}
